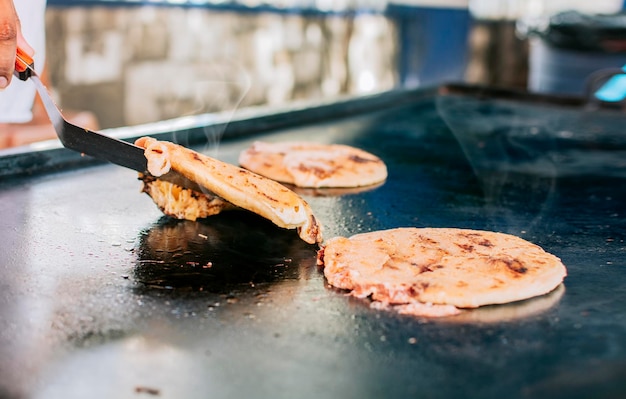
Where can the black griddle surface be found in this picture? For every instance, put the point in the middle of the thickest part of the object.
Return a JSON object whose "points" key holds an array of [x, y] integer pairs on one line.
{"points": [[101, 296]]}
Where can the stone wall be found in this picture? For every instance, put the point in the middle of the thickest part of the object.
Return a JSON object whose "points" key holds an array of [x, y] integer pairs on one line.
{"points": [[133, 65]]}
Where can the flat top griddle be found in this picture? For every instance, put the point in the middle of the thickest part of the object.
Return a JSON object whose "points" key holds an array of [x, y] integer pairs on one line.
{"points": [[101, 296]]}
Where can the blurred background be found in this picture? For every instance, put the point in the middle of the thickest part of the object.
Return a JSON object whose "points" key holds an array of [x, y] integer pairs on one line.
{"points": [[133, 62]]}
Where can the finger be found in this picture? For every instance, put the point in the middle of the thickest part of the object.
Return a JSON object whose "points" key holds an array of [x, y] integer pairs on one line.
{"points": [[9, 26], [21, 41]]}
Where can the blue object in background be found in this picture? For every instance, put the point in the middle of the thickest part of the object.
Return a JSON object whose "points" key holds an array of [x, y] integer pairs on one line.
{"points": [[566, 52], [614, 89], [433, 43]]}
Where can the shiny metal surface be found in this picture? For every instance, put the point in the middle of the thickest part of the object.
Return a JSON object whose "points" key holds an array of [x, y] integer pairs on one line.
{"points": [[103, 297]]}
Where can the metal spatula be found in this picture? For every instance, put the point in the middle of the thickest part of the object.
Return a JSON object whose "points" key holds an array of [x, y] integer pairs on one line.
{"points": [[84, 140], [77, 138]]}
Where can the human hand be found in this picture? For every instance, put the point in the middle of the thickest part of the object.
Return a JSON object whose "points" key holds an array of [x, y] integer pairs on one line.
{"points": [[10, 38]]}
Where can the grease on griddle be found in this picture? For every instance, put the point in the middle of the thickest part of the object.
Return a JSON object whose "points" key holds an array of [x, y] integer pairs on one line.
{"points": [[218, 254]]}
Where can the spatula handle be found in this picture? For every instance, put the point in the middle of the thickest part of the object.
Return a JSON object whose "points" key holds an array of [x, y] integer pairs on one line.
{"points": [[24, 64]]}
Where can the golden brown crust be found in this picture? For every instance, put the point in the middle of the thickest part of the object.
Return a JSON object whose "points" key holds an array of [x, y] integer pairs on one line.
{"points": [[305, 164], [440, 266], [237, 186]]}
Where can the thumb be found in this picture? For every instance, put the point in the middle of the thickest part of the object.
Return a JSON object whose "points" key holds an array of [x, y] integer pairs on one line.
{"points": [[21, 41]]}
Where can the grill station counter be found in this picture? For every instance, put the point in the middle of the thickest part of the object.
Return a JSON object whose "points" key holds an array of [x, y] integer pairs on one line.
{"points": [[102, 296]]}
